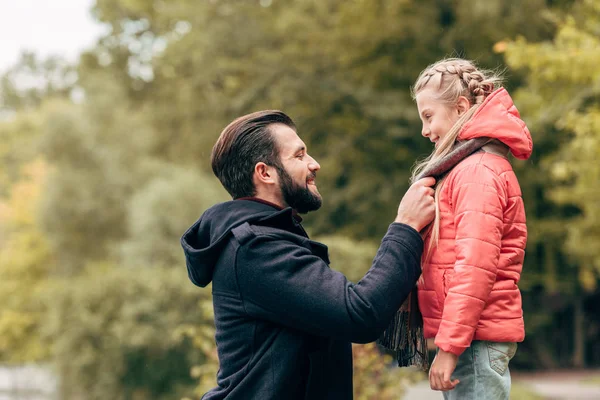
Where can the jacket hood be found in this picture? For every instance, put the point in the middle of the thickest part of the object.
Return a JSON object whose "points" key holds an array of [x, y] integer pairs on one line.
{"points": [[203, 242], [498, 118]]}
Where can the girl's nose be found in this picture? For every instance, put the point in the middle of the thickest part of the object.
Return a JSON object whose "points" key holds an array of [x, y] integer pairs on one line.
{"points": [[425, 132]]}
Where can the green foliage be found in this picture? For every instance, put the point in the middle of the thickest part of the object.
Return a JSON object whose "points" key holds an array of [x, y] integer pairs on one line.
{"points": [[560, 104], [341, 68], [351, 257], [375, 377], [18, 145], [202, 337], [25, 258], [561, 99], [28, 83], [162, 210], [112, 331], [82, 210], [592, 380]]}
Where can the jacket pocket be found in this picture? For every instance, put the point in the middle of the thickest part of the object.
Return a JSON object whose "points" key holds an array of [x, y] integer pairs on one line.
{"points": [[447, 280], [500, 354]]}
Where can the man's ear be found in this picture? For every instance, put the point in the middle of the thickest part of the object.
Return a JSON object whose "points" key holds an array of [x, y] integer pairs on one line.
{"points": [[265, 173], [463, 105]]}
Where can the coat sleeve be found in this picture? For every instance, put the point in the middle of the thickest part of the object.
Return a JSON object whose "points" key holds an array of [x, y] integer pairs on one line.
{"points": [[283, 282], [477, 196]]}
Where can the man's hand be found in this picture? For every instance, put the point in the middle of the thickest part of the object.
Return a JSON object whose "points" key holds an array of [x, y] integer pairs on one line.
{"points": [[417, 208], [441, 370]]}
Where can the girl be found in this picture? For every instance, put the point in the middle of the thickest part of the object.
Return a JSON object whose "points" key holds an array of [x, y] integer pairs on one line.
{"points": [[474, 250]]}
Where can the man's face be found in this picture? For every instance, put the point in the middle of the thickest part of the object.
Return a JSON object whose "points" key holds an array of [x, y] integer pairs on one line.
{"points": [[297, 178]]}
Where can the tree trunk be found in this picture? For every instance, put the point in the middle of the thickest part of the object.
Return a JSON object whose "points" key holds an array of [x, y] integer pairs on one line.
{"points": [[578, 333], [544, 354]]}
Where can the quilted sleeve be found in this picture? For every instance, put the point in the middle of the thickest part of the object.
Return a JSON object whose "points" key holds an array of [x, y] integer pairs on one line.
{"points": [[478, 199]]}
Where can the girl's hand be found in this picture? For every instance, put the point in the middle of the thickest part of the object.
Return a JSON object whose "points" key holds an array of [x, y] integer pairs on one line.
{"points": [[441, 370]]}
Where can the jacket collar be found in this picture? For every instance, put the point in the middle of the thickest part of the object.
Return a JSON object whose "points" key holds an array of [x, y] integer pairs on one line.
{"points": [[289, 220], [295, 214]]}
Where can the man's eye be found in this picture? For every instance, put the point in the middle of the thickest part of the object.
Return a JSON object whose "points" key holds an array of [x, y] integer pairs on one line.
{"points": [[300, 156]]}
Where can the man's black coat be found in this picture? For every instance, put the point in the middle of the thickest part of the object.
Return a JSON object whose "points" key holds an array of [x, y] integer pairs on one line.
{"points": [[284, 320]]}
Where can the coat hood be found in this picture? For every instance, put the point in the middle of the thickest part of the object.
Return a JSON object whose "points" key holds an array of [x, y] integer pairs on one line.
{"points": [[498, 118], [203, 242]]}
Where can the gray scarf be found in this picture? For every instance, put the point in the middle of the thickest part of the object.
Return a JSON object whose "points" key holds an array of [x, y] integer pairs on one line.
{"points": [[404, 335], [460, 151]]}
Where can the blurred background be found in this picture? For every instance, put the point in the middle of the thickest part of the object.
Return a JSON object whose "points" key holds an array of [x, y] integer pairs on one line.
{"points": [[108, 113]]}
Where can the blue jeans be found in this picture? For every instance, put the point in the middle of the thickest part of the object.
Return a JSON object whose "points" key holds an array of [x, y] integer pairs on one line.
{"points": [[483, 372]]}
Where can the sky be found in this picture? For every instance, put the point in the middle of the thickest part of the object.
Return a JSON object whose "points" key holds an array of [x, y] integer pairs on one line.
{"points": [[46, 27]]}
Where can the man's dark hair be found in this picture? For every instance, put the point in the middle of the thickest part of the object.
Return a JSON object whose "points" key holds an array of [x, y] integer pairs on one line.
{"points": [[243, 143]]}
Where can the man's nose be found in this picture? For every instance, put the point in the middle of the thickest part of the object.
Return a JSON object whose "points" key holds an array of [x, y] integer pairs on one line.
{"points": [[313, 165]]}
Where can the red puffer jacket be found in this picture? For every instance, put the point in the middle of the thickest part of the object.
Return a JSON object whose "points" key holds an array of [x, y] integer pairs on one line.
{"points": [[469, 287]]}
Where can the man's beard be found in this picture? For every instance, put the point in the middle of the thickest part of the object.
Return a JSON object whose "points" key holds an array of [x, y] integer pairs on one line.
{"points": [[300, 198]]}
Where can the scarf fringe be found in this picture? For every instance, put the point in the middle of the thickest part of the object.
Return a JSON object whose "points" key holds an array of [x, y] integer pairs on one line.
{"points": [[404, 336]]}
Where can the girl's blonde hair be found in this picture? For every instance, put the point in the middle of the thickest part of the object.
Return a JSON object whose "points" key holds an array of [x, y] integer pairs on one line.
{"points": [[452, 78]]}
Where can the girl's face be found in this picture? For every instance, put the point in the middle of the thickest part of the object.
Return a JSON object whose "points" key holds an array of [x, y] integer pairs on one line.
{"points": [[437, 117]]}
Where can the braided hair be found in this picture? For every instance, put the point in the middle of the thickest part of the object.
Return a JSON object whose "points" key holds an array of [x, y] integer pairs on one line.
{"points": [[453, 76]]}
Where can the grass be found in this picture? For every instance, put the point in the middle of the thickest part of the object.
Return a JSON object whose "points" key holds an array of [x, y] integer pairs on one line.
{"points": [[523, 392], [592, 380]]}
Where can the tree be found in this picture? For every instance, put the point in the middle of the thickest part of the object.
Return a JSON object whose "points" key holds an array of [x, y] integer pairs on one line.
{"points": [[32, 80], [25, 263], [19, 138], [83, 210], [560, 102], [160, 212], [341, 69], [121, 341]]}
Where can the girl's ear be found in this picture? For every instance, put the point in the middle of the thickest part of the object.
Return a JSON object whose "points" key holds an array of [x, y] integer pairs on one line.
{"points": [[463, 105]]}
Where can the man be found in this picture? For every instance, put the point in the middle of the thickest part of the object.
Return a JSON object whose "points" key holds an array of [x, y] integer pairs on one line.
{"points": [[285, 320]]}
